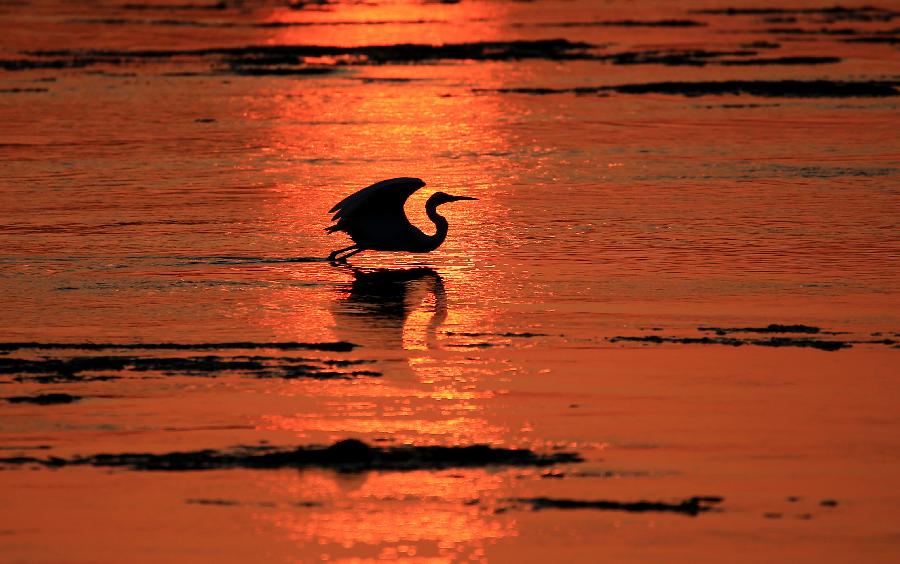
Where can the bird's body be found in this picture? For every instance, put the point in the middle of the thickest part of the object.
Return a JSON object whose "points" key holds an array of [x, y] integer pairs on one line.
{"points": [[375, 220]]}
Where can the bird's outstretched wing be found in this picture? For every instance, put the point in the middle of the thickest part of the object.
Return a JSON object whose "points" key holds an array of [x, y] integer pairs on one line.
{"points": [[383, 199]]}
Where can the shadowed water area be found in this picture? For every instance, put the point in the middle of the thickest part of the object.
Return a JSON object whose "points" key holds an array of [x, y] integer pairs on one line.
{"points": [[666, 331]]}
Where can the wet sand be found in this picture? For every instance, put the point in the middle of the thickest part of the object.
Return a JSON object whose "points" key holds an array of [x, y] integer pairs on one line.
{"points": [[667, 331]]}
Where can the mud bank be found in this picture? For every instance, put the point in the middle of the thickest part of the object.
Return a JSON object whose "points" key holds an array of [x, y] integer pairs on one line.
{"points": [[45, 399], [53, 370], [336, 346], [346, 456], [692, 506], [758, 88], [771, 328], [735, 342], [831, 14], [550, 49]]}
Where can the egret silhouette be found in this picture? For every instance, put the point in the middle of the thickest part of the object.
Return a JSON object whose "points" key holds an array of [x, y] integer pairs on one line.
{"points": [[375, 220]]}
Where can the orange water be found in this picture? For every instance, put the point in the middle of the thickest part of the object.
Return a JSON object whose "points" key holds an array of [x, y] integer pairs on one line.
{"points": [[127, 220]]}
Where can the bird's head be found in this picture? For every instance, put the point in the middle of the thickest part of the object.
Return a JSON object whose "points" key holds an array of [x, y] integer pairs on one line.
{"points": [[439, 198]]}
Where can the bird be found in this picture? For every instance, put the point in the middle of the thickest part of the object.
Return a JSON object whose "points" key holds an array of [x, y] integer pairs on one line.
{"points": [[374, 218]]}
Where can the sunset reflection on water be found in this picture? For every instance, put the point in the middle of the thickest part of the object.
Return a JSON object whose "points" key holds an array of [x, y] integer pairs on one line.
{"points": [[373, 514], [168, 174], [432, 400]]}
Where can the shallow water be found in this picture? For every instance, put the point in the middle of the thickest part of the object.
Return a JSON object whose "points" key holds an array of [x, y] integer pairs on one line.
{"points": [[167, 171]]}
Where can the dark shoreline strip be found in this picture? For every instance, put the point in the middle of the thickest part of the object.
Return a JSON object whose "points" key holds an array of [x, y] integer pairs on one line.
{"points": [[554, 49], [692, 506], [221, 5], [345, 456], [282, 57], [229, 25], [836, 11], [760, 88], [771, 328], [620, 23], [45, 399], [336, 346], [734, 342], [70, 369]]}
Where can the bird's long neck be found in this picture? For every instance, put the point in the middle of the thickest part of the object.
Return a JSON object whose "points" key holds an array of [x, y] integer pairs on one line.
{"points": [[440, 224]]}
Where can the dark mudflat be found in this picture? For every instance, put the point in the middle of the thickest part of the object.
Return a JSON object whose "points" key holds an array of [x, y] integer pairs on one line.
{"points": [[703, 57], [347, 456], [44, 399], [735, 342], [550, 49], [523, 335], [692, 506], [622, 23], [759, 88], [337, 346], [767, 88], [771, 328], [51, 370], [826, 14]]}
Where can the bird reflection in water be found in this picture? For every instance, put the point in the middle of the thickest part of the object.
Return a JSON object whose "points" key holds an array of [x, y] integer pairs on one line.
{"points": [[393, 308]]}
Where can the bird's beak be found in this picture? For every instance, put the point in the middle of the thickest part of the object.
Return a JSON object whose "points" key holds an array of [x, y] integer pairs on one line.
{"points": [[456, 198]]}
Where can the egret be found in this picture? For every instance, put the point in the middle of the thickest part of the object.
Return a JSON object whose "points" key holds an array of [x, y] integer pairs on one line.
{"points": [[375, 220]]}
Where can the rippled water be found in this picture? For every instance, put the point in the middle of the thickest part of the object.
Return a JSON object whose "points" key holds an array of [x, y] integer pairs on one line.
{"points": [[167, 172]]}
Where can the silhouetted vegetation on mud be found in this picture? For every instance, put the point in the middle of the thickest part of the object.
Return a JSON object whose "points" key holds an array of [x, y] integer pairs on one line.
{"points": [[347, 456], [44, 399], [692, 506]]}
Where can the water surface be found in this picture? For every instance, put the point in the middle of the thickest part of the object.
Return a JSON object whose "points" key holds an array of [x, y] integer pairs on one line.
{"points": [[680, 176]]}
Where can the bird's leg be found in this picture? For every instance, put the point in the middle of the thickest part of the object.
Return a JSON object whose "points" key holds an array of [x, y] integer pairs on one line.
{"points": [[350, 254], [333, 256]]}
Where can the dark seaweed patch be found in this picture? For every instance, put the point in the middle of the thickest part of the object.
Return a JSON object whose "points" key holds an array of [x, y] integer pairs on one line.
{"points": [[741, 106], [243, 70], [22, 90], [31, 64], [809, 60], [825, 14], [292, 59], [886, 39], [208, 501], [780, 19], [218, 502], [52, 370], [692, 506], [622, 23], [346, 456], [761, 45], [136, 363], [288, 55], [770, 328], [734, 342], [260, 25], [760, 88], [217, 6], [700, 57], [524, 334], [767, 88], [806, 31], [336, 346], [44, 399], [384, 80]]}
